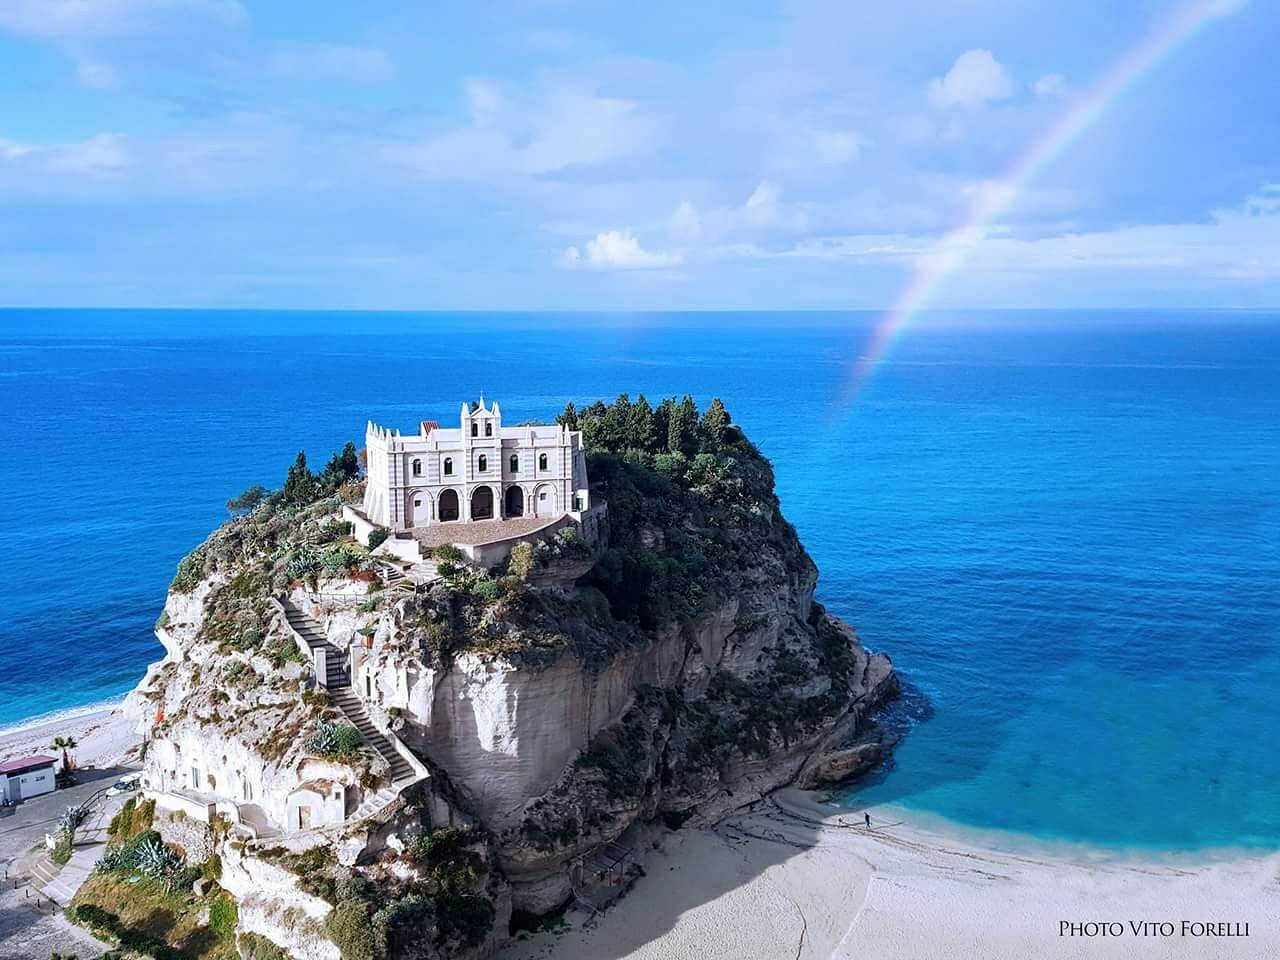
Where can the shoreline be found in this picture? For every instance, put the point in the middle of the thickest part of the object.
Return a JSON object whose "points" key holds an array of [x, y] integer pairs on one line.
{"points": [[785, 878], [105, 737], [105, 705], [818, 805]]}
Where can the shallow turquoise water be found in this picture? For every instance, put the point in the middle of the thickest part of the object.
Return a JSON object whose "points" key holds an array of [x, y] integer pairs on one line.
{"points": [[1064, 528]]}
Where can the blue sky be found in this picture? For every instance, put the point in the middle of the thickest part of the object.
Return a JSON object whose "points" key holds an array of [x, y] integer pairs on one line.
{"points": [[552, 154]]}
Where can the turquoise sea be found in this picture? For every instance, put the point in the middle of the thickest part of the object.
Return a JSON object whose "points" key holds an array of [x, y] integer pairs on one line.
{"points": [[1064, 527]]}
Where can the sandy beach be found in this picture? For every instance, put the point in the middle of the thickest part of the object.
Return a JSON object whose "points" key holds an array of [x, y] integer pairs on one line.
{"points": [[105, 738], [787, 880]]}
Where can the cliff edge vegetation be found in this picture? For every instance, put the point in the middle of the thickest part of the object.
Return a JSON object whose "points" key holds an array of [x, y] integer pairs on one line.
{"points": [[490, 732]]}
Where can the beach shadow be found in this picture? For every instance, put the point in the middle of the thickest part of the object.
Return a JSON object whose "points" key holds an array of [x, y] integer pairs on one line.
{"points": [[683, 870]]}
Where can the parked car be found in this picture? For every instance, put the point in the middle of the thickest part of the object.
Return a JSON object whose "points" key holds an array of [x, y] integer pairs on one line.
{"points": [[125, 785]]}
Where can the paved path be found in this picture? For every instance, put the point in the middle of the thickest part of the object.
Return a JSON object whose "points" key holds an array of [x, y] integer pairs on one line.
{"points": [[31, 924], [61, 885]]}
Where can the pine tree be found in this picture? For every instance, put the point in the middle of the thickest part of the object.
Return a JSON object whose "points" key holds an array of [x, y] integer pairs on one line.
{"points": [[342, 468], [616, 434], [643, 428], [299, 483], [682, 427], [715, 421], [570, 416]]}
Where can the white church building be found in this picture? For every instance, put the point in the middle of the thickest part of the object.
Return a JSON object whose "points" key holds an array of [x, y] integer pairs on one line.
{"points": [[479, 470]]}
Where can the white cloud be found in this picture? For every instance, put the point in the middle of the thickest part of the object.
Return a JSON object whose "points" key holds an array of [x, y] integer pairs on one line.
{"points": [[764, 213], [552, 129], [98, 156], [619, 250], [91, 32], [686, 223], [84, 20], [1050, 86], [974, 80], [1240, 244]]}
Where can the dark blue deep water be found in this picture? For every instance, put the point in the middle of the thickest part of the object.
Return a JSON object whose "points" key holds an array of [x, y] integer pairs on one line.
{"points": [[1065, 528]]}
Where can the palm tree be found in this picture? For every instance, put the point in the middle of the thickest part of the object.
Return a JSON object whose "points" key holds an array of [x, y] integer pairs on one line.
{"points": [[65, 744]]}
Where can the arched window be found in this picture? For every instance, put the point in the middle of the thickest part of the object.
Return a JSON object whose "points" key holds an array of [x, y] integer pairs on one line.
{"points": [[417, 468], [488, 428], [515, 463], [448, 466], [542, 461], [475, 429], [484, 463]]}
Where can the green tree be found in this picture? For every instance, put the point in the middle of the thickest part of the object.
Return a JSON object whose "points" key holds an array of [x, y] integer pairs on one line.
{"points": [[715, 421], [247, 501], [643, 430], [616, 432], [569, 418], [343, 467], [299, 482], [682, 427]]}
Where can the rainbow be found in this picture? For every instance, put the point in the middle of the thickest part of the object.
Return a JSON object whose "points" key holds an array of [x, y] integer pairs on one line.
{"points": [[950, 252]]}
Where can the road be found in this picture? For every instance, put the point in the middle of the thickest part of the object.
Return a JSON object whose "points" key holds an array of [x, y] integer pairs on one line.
{"points": [[31, 927]]}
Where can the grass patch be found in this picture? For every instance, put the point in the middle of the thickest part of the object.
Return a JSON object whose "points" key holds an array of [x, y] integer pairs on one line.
{"points": [[145, 918]]}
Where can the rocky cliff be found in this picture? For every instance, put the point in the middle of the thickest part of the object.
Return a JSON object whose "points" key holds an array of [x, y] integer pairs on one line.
{"points": [[680, 668]]}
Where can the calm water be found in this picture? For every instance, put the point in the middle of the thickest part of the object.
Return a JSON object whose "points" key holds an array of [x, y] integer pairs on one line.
{"points": [[1065, 529]]}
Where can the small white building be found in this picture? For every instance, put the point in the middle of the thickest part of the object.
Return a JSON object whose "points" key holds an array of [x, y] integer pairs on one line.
{"points": [[26, 778], [481, 470]]}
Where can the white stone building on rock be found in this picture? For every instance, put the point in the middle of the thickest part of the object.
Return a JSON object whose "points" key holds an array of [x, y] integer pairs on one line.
{"points": [[480, 470]]}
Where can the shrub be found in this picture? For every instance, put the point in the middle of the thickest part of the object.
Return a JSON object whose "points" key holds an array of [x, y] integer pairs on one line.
{"points": [[190, 570], [254, 946], [448, 552], [521, 562], [377, 537], [348, 926], [305, 562], [337, 741], [61, 851], [132, 818], [148, 854], [342, 557], [223, 916], [486, 590]]}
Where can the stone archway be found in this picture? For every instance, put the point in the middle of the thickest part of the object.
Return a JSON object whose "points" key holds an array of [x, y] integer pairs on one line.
{"points": [[482, 503], [447, 507], [515, 501]]}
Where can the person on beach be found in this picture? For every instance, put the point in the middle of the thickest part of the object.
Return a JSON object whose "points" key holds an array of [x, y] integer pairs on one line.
{"points": [[867, 819]]}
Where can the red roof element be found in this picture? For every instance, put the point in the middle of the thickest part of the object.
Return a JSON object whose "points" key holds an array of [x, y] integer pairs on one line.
{"points": [[26, 763], [429, 425]]}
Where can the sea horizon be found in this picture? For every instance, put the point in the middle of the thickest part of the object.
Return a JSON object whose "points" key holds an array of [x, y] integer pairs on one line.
{"points": [[1046, 525]]}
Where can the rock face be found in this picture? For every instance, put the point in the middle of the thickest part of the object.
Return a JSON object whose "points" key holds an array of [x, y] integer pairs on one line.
{"points": [[683, 669]]}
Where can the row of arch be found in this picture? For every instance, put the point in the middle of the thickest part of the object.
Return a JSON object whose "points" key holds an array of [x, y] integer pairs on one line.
{"points": [[424, 507], [482, 464]]}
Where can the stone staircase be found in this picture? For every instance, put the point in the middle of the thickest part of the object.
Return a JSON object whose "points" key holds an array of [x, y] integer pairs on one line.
{"points": [[344, 697], [314, 636]]}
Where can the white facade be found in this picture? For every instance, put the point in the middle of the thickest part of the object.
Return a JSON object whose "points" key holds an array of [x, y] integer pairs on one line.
{"points": [[28, 778], [480, 470]]}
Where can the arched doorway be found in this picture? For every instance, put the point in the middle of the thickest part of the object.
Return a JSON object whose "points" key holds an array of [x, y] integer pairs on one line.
{"points": [[515, 501], [482, 503], [544, 501], [447, 508]]}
